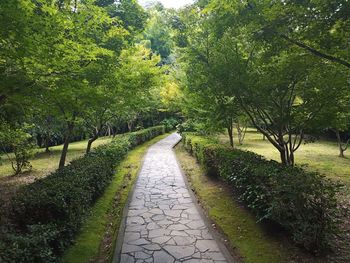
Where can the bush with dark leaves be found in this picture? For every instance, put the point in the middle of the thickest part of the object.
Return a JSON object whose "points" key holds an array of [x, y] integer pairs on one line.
{"points": [[302, 202], [47, 214]]}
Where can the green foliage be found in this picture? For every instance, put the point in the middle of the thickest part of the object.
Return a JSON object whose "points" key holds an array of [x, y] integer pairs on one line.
{"points": [[278, 62], [158, 32], [170, 124], [18, 142], [47, 214], [187, 126], [304, 203]]}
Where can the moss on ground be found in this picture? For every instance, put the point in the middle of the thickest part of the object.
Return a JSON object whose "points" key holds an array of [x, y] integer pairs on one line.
{"points": [[96, 242]]}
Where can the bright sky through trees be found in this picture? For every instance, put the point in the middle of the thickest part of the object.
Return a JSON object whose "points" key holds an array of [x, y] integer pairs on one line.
{"points": [[168, 3]]}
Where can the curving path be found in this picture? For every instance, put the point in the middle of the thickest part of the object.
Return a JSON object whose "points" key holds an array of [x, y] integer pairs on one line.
{"points": [[163, 223]]}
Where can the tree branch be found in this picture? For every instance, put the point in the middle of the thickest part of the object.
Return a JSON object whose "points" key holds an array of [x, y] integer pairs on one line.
{"points": [[316, 52]]}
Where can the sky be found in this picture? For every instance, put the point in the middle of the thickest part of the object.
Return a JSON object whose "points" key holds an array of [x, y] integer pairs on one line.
{"points": [[169, 3]]}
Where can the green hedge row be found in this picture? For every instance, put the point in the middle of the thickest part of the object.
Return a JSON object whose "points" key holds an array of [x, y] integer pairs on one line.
{"points": [[47, 214], [302, 202]]}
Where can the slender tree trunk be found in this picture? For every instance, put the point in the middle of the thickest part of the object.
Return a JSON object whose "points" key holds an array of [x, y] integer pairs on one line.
{"points": [[291, 158], [230, 135], [239, 133], [47, 143], [65, 145], [283, 156], [286, 155], [340, 144], [90, 141], [130, 125]]}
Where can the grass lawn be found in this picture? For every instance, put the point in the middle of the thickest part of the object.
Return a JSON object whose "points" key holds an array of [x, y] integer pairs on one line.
{"points": [[321, 156], [97, 239], [250, 241], [44, 163]]}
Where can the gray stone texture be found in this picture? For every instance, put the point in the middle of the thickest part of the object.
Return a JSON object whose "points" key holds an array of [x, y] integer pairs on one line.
{"points": [[163, 224]]}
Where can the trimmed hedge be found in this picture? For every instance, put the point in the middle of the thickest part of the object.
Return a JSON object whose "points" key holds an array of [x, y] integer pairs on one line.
{"points": [[47, 214], [302, 202]]}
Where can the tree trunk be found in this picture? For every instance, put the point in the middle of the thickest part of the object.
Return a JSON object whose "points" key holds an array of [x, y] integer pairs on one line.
{"points": [[65, 145], [230, 135], [90, 141], [286, 155], [283, 156], [239, 133], [340, 144], [47, 143], [130, 125]]}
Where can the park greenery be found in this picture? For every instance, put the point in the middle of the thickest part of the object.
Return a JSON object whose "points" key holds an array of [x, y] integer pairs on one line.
{"points": [[87, 70]]}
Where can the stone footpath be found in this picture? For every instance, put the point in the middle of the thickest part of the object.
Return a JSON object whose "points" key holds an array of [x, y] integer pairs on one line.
{"points": [[163, 224]]}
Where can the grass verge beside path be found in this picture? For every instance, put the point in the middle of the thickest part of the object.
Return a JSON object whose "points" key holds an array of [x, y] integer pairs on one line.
{"points": [[97, 239], [248, 238]]}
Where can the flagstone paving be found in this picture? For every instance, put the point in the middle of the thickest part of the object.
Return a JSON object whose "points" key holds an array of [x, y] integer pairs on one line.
{"points": [[163, 224]]}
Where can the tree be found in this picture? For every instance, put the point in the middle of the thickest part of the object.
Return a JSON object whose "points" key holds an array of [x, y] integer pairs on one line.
{"points": [[206, 85], [18, 142], [158, 31], [336, 117], [319, 28], [137, 80], [280, 87]]}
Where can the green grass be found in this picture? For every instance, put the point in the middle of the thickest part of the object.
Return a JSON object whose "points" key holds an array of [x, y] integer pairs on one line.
{"points": [[249, 239], [321, 156], [97, 239], [44, 163]]}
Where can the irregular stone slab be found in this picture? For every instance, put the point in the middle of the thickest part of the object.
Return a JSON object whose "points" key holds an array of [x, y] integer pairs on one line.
{"points": [[177, 227], [180, 251], [161, 240], [142, 255], [184, 241], [158, 233], [140, 241], [130, 248], [162, 257], [152, 247], [127, 259], [163, 224], [130, 236]]}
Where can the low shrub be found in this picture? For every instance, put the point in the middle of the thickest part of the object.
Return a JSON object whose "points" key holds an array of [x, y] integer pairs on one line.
{"points": [[47, 214], [302, 202], [190, 126]]}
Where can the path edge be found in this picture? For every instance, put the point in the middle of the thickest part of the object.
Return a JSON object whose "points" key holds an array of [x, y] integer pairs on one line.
{"points": [[120, 236], [207, 221]]}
